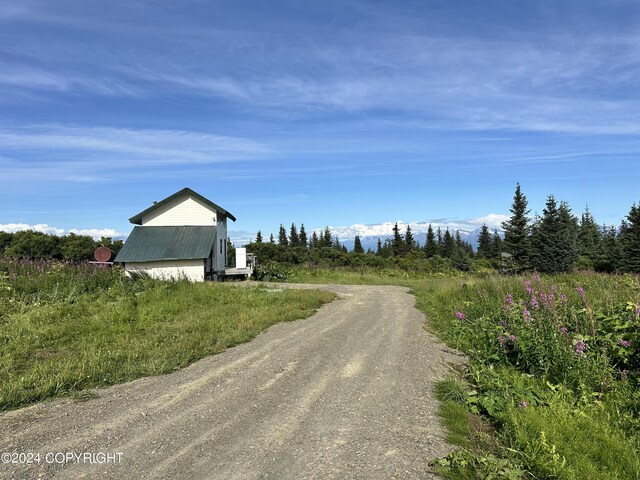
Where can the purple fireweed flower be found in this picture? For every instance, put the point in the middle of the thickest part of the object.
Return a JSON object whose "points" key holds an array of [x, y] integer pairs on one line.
{"points": [[524, 404], [580, 347], [563, 299], [504, 324], [508, 300], [544, 299], [536, 277], [528, 287], [554, 288], [581, 292], [512, 338], [624, 343], [502, 340], [564, 330], [534, 302], [460, 316], [526, 315]]}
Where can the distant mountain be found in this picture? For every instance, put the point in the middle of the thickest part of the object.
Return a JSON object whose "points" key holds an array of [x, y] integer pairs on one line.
{"points": [[372, 241]]}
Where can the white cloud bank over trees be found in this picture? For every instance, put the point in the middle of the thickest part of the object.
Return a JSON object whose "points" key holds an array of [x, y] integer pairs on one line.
{"points": [[95, 233], [492, 220]]}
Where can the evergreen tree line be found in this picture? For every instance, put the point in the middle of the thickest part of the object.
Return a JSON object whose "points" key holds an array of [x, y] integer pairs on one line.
{"points": [[448, 249], [557, 241], [299, 239], [29, 244]]}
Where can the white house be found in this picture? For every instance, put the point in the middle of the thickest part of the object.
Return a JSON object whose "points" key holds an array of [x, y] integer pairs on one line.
{"points": [[182, 236]]}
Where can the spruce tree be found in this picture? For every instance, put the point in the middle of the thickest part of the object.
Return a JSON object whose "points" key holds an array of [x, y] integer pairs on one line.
{"points": [[630, 240], [336, 243], [314, 240], [589, 236], [294, 239], [282, 236], [357, 245], [485, 243], [271, 239], [516, 232], [459, 242], [327, 239], [387, 249], [398, 242], [496, 245], [448, 245], [409, 241], [553, 239], [430, 246], [440, 240], [259, 237], [544, 238], [569, 237], [610, 251], [461, 258], [302, 237], [379, 248]]}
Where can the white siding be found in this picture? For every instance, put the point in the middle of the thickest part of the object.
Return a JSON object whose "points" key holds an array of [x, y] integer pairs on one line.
{"points": [[188, 210], [192, 270], [185, 210]]}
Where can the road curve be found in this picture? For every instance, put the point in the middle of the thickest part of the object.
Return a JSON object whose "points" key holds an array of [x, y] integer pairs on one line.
{"points": [[344, 394]]}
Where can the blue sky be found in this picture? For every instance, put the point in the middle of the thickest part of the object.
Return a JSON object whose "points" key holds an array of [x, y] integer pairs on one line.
{"points": [[336, 113]]}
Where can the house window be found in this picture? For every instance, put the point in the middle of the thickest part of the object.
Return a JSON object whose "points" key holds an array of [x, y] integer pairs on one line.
{"points": [[221, 246]]}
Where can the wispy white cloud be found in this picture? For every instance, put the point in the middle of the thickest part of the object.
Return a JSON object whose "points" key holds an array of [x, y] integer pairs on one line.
{"points": [[551, 82], [163, 146], [80, 154], [96, 233]]}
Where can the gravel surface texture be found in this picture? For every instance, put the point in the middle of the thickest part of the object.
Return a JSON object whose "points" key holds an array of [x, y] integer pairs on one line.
{"points": [[344, 394]]}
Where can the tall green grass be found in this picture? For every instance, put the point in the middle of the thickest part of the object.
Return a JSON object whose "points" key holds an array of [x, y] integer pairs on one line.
{"points": [[554, 365], [558, 377], [67, 328]]}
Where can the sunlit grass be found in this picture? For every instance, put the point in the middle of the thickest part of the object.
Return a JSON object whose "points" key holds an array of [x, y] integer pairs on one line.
{"points": [[52, 345]]}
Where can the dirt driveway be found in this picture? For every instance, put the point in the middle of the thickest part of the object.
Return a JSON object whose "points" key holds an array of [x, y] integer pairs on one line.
{"points": [[346, 393]]}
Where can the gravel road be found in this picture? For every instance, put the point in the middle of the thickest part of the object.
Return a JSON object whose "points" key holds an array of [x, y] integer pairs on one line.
{"points": [[344, 394]]}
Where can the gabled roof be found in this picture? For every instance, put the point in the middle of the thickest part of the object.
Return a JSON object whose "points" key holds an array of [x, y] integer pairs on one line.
{"points": [[137, 219], [146, 244]]}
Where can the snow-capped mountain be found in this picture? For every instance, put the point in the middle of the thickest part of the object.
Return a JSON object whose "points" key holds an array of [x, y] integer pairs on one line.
{"points": [[469, 229], [371, 242]]}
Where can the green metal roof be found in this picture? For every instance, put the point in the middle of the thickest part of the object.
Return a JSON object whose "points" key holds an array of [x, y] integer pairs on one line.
{"points": [[137, 219], [146, 244]]}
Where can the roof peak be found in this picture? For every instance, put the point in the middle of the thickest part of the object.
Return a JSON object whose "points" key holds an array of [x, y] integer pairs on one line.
{"points": [[137, 219]]}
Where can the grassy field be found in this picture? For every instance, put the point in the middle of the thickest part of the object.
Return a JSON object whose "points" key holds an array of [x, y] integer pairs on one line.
{"points": [[551, 387], [67, 328], [363, 276]]}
